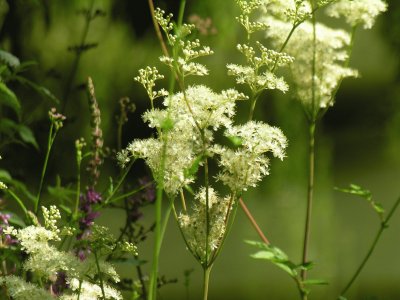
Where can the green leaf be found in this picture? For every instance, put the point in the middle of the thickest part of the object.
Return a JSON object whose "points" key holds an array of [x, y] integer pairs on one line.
{"points": [[16, 220], [5, 175], [235, 140], [341, 298], [315, 282], [194, 168], [9, 59], [41, 90], [60, 192], [275, 256], [7, 97], [27, 136], [354, 189], [65, 208]]}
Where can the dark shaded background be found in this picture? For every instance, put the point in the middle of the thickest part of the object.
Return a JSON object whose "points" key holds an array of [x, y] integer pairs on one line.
{"points": [[358, 141]]}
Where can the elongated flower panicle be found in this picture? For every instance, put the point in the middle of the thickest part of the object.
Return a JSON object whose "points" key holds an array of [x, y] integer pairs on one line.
{"points": [[194, 224], [358, 12], [97, 136]]}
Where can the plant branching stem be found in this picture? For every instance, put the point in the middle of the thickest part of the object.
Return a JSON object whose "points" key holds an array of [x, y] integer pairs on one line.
{"points": [[384, 225], [157, 29], [310, 194], [253, 222], [206, 280], [100, 274], [46, 160], [77, 59]]}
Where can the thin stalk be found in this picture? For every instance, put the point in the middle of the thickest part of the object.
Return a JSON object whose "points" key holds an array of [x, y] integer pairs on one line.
{"points": [[253, 106], [112, 200], [50, 141], [206, 183], [100, 275], [78, 189], [384, 225], [157, 29], [19, 201], [310, 194], [75, 64], [79, 289], [253, 222], [206, 280], [120, 181]]}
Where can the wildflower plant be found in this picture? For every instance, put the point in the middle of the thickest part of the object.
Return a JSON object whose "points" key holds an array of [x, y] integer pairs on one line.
{"points": [[185, 144]]}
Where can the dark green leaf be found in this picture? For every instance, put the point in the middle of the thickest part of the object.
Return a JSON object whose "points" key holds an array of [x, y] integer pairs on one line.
{"points": [[9, 59], [27, 136], [7, 97], [37, 88], [61, 193], [5, 175]]}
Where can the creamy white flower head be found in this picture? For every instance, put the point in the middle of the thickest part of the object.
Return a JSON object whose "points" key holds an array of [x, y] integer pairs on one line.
{"points": [[194, 224], [358, 12], [89, 291], [248, 164], [179, 157], [292, 11], [19, 289], [207, 108], [331, 46]]}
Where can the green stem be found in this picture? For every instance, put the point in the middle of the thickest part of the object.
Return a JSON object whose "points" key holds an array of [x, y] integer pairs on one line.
{"points": [[206, 183], [206, 280], [19, 201], [120, 181], [79, 289], [384, 225], [78, 189], [307, 230], [75, 64], [100, 275], [50, 141], [112, 200], [157, 244]]}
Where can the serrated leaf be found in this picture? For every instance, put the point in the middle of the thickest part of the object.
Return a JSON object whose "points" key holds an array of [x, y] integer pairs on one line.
{"points": [[27, 136], [7, 97], [315, 282], [194, 168], [9, 59], [263, 255]]}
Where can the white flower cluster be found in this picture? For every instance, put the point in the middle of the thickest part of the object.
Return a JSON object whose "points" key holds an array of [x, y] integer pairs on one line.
{"points": [[321, 52], [47, 261], [253, 74], [186, 51], [247, 8], [330, 55], [198, 108], [19, 289], [358, 12], [147, 77], [248, 164], [194, 225]]}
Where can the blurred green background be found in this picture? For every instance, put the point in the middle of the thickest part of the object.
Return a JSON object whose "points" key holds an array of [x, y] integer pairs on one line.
{"points": [[357, 142]]}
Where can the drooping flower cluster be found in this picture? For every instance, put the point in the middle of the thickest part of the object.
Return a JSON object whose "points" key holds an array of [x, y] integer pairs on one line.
{"points": [[194, 224], [47, 262]]}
